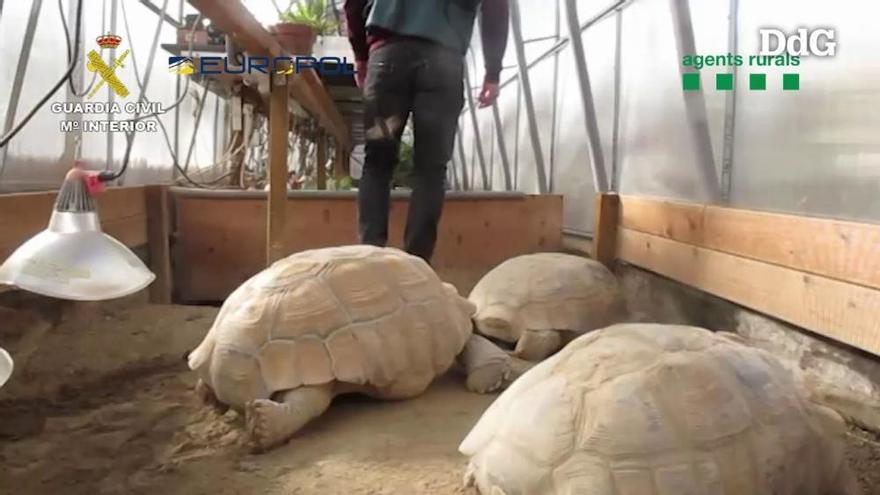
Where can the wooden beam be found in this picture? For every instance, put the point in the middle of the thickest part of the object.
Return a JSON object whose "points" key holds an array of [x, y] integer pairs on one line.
{"points": [[321, 159], [839, 310], [307, 89], [340, 163], [607, 211], [836, 249], [278, 140], [236, 20], [159, 234]]}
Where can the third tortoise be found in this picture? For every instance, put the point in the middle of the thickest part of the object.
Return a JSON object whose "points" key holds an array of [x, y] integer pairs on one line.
{"points": [[650, 409]]}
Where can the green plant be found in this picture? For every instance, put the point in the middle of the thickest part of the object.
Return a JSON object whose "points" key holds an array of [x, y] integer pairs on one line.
{"points": [[345, 183], [312, 13]]}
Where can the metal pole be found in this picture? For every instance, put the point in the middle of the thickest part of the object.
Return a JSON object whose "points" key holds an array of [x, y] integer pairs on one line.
{"points": [[174, 171], [71, 150], [216, 121], [516, 28], [600, 178], [464, 174], [615, 138], [730, 109], [454, 174], [695, 103], [114, 4], [473, 111], [552, 171], [167, 18], [20, 70], [502, 148]]}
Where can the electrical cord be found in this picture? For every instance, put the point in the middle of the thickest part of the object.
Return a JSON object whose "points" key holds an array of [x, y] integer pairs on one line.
{"points": [[70, 51], [165, 134], [107, 176], [15, 130]]}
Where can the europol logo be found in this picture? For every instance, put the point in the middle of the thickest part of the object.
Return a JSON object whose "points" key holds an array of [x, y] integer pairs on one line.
{"points": [[181, 65], [107, 70]]}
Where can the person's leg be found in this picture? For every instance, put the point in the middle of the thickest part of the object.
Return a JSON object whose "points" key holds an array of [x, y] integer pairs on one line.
{"points": [[438, 100], [387, 99]]}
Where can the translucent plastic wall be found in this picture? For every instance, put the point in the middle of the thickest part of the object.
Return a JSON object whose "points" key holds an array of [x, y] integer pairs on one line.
{"points": [[38, 156], [814, 151]]}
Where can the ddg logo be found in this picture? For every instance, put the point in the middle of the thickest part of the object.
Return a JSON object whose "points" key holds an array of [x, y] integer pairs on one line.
{"points": [[326, 66], [805, 42]]}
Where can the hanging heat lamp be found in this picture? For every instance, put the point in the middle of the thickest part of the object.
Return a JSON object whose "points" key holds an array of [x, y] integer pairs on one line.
{"points": [[73, 259], [5, 366]]}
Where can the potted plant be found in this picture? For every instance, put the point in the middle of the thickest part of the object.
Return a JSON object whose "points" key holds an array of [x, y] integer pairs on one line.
{"points": [[302, 24]]}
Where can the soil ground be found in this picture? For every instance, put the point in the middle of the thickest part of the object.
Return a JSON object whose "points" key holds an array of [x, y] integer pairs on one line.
{"points": [[102, 403]]}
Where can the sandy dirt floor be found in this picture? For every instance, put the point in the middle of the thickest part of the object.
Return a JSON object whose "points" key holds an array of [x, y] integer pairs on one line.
{"points": [[102, 403]]}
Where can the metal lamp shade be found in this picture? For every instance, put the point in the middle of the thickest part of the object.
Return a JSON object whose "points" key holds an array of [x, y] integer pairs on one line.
{"points": [[74, 259], [5, 366]]}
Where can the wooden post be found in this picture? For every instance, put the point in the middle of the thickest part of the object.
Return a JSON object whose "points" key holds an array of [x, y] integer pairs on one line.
{"points": [[278, 139], [605, 228], [339, 163], [158, 236], [321, 158]]}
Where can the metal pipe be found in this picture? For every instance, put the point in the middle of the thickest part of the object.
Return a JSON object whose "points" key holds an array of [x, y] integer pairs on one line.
{"points": [[174, 171], [167, 18], [477, 140], [73, 139], [454, 174], [114, 5], [464, 174], [619, 4], [695, 103], [516, 25], [215, 132], [20, 71], [552, 172], [730, 108], [502, 147], [597, 163], [615, 137]]}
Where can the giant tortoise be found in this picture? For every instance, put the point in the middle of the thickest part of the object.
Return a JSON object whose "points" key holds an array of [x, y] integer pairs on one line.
{"points": [[540, 302], [650, 409], [330, 321]]}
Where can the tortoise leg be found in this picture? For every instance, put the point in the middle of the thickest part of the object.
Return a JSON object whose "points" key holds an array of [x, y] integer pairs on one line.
{"points": [[535, 345], [209, 398], [270, 423], [488, 367]]}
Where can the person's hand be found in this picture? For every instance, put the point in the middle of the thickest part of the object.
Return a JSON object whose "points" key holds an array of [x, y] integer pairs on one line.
{"points": [[488, 94], [360, 74]]}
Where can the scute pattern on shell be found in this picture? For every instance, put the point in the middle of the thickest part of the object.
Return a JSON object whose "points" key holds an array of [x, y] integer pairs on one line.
{"points": [[549, 291], [358, 314], [652, 409]]}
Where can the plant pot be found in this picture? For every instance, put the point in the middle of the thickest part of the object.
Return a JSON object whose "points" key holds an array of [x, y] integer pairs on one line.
{"points": [[295, 38]]}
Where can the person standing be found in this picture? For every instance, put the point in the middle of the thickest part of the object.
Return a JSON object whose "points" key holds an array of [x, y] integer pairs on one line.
{"points": [[409, 59]]}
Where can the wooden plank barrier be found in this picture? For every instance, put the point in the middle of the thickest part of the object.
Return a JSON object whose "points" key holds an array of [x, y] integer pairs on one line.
{"points": [[819, 274], [220, 239]]}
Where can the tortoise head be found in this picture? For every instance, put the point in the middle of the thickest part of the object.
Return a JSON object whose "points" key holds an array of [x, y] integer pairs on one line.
{"points": [[499, 321]]}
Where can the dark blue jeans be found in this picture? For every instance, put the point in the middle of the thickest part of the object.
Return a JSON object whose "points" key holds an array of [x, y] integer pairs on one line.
{"points": [[423, 79]]}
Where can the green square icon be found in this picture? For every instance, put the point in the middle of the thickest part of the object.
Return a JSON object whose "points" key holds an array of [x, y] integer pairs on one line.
{"points": [[690, 81], [724, 82], [791, 82], [758, 81]]}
